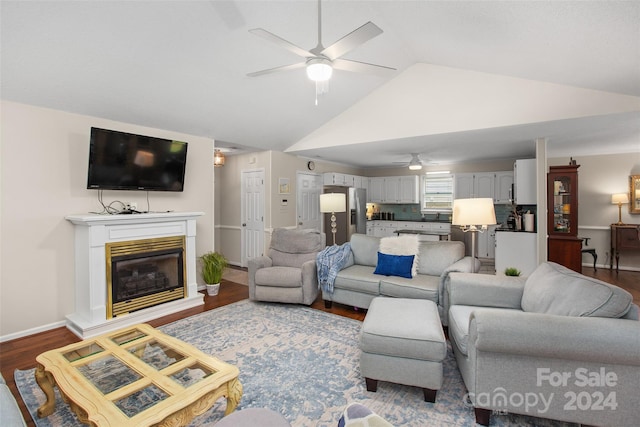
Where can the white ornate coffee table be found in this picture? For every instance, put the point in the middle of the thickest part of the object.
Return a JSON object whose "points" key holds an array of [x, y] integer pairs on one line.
{"points": [[136, 376]]}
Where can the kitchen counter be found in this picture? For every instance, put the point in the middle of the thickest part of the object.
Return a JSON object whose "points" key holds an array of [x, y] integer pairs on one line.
{"points": [[425, 232], [442, 221]]}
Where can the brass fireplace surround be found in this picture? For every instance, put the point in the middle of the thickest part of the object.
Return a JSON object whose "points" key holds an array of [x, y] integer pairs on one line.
{"points": [[148, 248]]}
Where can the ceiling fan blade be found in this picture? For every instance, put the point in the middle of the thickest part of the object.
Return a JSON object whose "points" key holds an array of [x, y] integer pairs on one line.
{"points": [[278, 69], [260, 32], [362, 67], [352, 40]]}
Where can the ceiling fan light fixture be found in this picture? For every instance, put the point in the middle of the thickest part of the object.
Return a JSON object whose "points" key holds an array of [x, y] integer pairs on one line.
{"points": [[319, 69], [415, 164]]}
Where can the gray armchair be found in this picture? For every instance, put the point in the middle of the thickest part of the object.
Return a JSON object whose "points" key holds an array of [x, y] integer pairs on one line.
{"points": [[288, 273]]}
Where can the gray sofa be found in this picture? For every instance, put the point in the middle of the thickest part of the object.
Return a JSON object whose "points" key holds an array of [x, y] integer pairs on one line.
{"points": [[357, 285], [555, 345], [10, 415]]}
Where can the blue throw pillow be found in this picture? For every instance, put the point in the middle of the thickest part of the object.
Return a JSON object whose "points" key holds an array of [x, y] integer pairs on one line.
{"points": [[394, 265]]}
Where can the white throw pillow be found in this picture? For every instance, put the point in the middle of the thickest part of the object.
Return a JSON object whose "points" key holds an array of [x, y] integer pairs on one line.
{"points": [[407, 244]]}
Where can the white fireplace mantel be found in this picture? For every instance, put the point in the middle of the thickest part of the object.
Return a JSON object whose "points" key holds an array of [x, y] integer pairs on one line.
{"points": [[92, 233]]}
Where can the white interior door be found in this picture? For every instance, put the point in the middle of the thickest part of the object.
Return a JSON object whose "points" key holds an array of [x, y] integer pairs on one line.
{"points": [[252, 211], [309, 187]]}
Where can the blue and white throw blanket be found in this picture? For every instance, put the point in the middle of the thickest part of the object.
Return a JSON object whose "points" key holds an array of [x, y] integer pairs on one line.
{"points": [[330, 261]]}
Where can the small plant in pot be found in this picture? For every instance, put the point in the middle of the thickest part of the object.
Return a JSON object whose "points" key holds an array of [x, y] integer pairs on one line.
{"points": [[511, 271], [213, 265]]}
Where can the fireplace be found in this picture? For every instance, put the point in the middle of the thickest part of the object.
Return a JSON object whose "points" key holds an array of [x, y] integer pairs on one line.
{"points": [[152, 258], [144, 273]]}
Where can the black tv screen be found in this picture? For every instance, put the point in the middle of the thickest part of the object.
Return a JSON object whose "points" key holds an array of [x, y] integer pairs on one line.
{"points": [[125, 161]]}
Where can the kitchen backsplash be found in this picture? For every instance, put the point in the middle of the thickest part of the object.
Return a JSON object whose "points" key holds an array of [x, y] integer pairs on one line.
{"points": [[411, 212]]}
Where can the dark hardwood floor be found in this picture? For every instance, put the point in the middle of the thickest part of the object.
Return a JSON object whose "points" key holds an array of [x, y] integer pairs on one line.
{"points": [[21, 353]]}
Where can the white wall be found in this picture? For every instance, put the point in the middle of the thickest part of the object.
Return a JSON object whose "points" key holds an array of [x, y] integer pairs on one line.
{"points": [[276, 165], [44, 170]]}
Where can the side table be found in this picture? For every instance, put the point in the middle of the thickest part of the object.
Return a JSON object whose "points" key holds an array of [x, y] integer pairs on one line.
{"points": [[624, 237]]}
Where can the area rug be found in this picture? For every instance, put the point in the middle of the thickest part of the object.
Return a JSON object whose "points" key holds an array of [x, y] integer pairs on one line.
{"points": [[301, 362]]}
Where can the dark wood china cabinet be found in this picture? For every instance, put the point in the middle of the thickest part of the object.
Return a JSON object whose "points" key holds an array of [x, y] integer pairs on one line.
{"points": [[564, 246]]}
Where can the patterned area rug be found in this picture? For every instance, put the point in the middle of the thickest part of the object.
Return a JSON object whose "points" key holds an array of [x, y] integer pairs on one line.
{"points": [[301, 362]]}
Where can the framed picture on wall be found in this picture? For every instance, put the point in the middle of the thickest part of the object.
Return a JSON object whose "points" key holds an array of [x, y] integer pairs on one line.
{"points": [[283, 186]]}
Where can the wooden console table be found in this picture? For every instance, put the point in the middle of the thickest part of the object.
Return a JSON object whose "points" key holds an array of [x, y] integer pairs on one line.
{"points": [[625, 237]]}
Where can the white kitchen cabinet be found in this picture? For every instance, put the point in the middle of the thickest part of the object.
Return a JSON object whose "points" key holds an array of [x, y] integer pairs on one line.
{"points": [[391, 189], [376, 190], [524, 172], [473, 185], [409, 189], [463, 186], [518, 250], [334, 178], [503, 187], [487, 243], [343, 180], [394, 189], [492, 185], [483, 185]]}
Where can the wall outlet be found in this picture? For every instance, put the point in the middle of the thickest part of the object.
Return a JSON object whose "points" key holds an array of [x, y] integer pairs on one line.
{"points": [[131, 206]]}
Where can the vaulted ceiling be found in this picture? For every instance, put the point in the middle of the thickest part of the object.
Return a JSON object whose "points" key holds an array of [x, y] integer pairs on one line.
{"points": [[183, 65]]}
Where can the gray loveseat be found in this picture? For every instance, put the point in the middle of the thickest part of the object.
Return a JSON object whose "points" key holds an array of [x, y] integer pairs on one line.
{"points": [[356, 284], [555, 345]]}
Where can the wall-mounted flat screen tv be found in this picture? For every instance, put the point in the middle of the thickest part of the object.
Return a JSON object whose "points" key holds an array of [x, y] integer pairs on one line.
{"points": [[125, 161]]}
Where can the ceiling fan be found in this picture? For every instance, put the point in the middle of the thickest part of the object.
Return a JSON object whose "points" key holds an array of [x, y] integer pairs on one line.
{"points": [[321, 61], [415, 164]]}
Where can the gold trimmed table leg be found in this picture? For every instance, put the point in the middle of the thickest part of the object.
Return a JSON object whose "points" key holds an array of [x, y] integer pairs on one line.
{"points": [[234, 394], [46, 382]]}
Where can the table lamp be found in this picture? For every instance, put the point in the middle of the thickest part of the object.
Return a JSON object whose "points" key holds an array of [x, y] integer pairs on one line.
{"points": [[473, 215], [620, 199], [332, 203]]}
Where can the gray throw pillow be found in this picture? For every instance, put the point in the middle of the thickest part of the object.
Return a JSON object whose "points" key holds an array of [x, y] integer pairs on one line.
{"points": [[554, 289]]}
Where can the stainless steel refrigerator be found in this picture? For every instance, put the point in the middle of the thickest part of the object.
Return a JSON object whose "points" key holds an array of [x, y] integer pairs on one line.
{"points": [[354, 220]]}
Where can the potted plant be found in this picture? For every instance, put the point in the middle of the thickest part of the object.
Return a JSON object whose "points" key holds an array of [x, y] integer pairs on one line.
{"points": [[213, 265], [511, 271]]}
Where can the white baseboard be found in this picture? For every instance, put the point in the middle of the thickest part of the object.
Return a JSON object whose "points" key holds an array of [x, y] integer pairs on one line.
{"points": [[32, 331]]}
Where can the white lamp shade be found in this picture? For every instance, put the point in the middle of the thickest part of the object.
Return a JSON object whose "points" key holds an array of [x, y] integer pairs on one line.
{"points": [[333, 202], [473, 212], [619, 198]]}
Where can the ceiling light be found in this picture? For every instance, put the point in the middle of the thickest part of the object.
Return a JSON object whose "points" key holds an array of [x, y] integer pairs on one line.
{"points": [[415, 164], [319, 69], [218, 158]]}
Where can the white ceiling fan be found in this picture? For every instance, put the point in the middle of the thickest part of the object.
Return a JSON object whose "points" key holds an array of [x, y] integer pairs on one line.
{"points": [[416, 163], [320, 61]]}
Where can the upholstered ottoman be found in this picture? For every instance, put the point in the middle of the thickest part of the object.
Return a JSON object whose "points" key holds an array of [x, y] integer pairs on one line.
{"points": [[402, 342]]}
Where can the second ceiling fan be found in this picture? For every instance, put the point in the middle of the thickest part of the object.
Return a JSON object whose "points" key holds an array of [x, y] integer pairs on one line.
{"points": [[321, 61]]}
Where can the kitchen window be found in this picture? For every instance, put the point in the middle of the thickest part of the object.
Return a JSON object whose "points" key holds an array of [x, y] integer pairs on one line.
{"points": [[437, 193]]}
